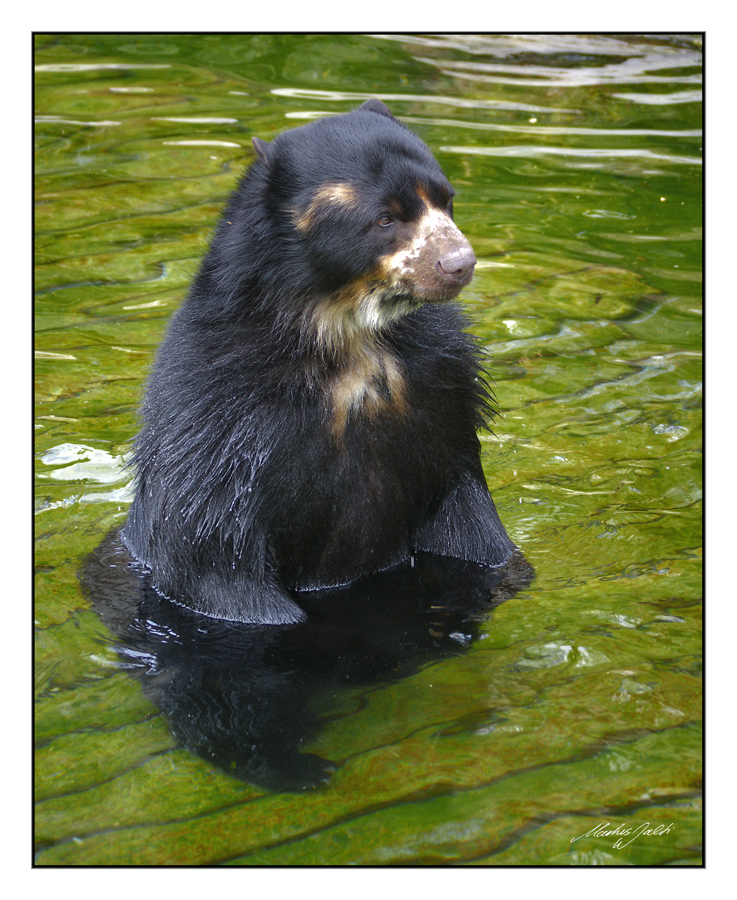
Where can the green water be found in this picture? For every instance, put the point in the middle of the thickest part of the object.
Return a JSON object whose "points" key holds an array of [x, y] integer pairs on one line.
{"points": [[577, 166]]}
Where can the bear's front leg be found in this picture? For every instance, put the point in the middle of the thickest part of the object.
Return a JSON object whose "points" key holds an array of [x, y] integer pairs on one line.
{"points": [[244, 598], [466, 525]]}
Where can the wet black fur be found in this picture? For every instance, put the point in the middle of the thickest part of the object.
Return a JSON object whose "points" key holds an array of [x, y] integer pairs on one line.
{"points": [[244, 495]]}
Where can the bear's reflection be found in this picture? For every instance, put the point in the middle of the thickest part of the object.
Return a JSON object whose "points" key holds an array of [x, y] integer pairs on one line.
{"points": [[242, 696]]}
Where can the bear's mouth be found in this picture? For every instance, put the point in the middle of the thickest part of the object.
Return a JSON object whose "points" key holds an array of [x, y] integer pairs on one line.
{"points": [[361, 310]]}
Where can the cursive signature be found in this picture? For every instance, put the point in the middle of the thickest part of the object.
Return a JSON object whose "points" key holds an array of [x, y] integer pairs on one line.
{"points": [[623, 833]]}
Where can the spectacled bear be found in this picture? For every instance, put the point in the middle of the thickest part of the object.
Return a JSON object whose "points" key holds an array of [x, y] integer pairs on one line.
{"points": [[312, 413]]}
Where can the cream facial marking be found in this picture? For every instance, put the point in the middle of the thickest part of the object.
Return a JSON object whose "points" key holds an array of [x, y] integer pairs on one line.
{"points": [[435, 224]]}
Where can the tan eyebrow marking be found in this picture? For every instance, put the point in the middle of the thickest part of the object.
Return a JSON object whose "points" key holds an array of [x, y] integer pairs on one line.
{"points": [[339, 193]]}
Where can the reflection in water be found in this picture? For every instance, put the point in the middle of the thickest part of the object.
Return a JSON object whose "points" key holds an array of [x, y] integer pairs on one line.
{"points": [[243, 696]]}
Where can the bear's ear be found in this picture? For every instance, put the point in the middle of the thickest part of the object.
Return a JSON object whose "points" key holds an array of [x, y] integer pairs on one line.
{"points": [[262, 148], [374, 105]]}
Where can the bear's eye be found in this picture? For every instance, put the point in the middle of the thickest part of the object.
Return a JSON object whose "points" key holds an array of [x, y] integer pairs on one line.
{"points": [[385, 220]]}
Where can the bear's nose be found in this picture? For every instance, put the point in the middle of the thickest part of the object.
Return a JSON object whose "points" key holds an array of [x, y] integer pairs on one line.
{"points": [[457, 264]]}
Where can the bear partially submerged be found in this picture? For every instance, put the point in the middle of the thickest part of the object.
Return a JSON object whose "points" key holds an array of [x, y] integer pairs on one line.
{"points": [[311, 416]]}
